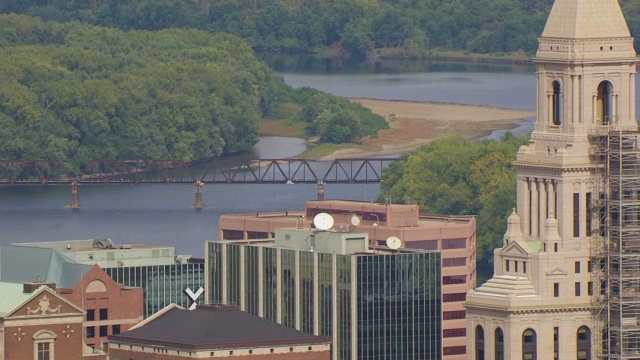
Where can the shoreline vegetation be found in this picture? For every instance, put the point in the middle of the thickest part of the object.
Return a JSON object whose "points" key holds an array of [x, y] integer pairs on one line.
{"points": [[461, 56], [411, 125]]}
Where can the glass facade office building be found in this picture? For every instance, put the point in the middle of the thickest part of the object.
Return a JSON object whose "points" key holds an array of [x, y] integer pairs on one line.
{"points": [[375, 304], [162, 284]]}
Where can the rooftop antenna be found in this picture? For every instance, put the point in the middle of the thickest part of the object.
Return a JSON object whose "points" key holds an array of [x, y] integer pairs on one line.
{"points": [[323, 221], [355, 221], [394, 242]]}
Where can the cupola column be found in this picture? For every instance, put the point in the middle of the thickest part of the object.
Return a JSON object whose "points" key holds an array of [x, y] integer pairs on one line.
{"points": [[542, 209], [535, 199], [524, 203], [551, 197]]}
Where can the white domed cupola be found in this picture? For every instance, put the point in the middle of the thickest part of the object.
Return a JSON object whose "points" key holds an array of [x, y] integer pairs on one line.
{"points": [[514, 229]]}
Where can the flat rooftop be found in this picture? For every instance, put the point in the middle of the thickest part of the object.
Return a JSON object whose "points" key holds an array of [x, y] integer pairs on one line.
{"points": [[424, 220], [71, 246], [372, 250], [370, 213]]}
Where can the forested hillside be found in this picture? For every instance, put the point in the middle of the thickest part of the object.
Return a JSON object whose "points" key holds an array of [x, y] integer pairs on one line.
{"points": [[346, 26], [78, 92], [455, 175]]}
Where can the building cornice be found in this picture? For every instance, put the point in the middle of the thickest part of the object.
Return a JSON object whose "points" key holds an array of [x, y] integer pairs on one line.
{"points": [[574, 41], [526, 311], [558, 168]]}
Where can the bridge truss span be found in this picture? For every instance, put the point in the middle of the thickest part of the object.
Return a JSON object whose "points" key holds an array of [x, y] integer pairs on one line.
{"points": [[173, 171], [298, 171]]}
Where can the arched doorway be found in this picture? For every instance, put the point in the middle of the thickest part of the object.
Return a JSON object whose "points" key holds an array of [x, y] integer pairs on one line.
{"points": [[584, 343], [529, 345], [479, 343], [499, 344], [556, 103], [604, 106]]}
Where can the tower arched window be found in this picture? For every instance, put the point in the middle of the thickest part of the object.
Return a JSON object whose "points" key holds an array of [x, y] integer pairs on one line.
{"points": [[584, 343], [479, 343], [499, 344], [605, 103], [529, 345], [556, 103]]}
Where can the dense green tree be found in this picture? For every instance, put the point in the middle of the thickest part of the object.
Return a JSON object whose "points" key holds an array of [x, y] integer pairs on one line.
{"points": [[461, 176], [355, 26], [76, 92], [107, 93], [335, 119]]}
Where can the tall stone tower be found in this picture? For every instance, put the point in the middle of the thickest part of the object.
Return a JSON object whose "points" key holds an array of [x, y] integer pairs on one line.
{"points": [[539, 304]]}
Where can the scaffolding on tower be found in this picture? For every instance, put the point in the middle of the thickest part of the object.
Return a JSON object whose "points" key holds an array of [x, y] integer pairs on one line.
{"points": [[621, 235], [599, 248]]}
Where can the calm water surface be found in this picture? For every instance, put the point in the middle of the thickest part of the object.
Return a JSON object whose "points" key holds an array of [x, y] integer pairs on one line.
{"points": [[506, 90], [156, 214]]}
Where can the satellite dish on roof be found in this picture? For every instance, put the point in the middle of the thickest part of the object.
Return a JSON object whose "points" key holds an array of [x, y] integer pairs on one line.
{"points": [[355, 220], [323, 221], [394, 242]]}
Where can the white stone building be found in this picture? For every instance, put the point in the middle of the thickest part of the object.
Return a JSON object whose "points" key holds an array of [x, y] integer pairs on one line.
{"points": [[542, 302]]}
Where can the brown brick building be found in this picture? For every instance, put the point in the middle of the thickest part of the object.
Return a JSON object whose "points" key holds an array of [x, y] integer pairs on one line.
{"points": [[110, 308], [40, 324], [454, 236], [106, 307], [215, 333]]}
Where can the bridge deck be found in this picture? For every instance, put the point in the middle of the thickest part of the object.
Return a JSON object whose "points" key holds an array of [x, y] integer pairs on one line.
{"points": [[135, 172]]}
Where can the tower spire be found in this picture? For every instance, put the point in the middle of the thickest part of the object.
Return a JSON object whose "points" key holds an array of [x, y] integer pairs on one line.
{"points": [[586, 19]]}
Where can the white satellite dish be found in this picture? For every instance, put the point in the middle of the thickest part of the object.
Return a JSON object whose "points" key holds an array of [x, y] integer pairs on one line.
{"points": [[355, 220], [323, 221], [394, 242]]}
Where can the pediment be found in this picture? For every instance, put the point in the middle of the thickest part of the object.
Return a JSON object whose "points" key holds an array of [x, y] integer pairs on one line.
{"points": [[515, 248], [45, 303], [556, 271]]}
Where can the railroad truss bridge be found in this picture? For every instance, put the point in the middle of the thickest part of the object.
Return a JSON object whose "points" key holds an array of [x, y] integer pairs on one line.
{"points": [[220, 171]]}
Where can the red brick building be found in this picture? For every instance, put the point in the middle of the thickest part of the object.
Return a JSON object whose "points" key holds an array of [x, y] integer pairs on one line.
{"points": [[106, 307], [110, 308], [215, 333], [40, 324]]}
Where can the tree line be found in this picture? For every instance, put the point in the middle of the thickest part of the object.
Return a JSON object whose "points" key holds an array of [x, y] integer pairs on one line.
{"points": [[77, 92], [455, 175], [355, 27]]}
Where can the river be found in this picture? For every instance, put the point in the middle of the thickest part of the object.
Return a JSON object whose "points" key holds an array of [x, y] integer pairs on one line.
{"points": [[161, 214]]}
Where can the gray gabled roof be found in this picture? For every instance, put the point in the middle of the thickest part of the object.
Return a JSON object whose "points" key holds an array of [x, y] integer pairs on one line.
{"points": [[20, 264], [209, 327]]}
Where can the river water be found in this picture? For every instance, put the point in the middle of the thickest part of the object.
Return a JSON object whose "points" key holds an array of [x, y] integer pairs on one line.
{"points": [[162, 214]]}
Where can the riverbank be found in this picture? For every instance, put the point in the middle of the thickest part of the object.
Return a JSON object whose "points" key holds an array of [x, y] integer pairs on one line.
{"points": [[514, 58], [414, 123]]}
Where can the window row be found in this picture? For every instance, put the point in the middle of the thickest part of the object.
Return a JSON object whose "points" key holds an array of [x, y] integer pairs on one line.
{"points": [[103, 331], [603, 102], [450, 262], [530, 344], [577, 289], [516, 266], [91, 314]]}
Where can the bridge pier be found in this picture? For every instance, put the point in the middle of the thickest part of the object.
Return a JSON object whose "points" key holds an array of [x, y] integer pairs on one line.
{"points": [[75, 196], [199, 203], [320, 190]]}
